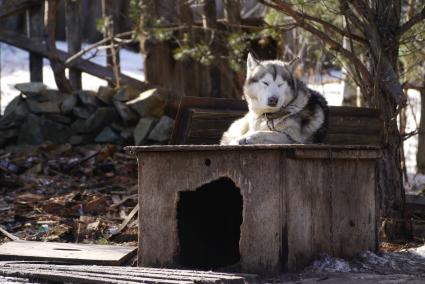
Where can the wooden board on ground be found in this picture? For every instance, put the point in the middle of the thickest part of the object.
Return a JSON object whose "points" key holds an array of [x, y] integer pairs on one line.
{"points": [[66, 252], [107, 274], [203, 121]]}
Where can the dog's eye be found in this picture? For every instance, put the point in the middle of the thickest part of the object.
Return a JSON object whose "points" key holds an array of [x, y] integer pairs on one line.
{"points": [[280, 85], [265, 83]]}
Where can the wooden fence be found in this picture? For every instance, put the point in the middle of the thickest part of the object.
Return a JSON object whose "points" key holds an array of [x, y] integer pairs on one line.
{"points": [[188, 77], [185, 78], [41, 30]]}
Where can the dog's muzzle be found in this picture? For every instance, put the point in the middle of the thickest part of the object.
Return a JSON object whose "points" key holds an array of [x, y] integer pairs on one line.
{"points": [[272, 101]]}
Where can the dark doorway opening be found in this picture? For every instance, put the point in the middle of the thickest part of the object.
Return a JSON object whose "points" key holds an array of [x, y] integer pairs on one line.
{"points": [[209, 221]]}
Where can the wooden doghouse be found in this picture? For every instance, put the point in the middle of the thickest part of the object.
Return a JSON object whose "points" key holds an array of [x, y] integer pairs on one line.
{"points": [[258, 208]]}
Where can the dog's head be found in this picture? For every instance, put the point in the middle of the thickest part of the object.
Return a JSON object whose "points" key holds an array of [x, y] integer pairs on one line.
{"points": [[269, 85]]}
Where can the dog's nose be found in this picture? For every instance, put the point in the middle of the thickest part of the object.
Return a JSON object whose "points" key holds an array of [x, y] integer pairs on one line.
{"points": [[272, 101]]}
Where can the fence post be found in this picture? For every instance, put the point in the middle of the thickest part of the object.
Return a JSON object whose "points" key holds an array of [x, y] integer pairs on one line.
{"points": [[73, 37], [232, 13], [111, 9], [34, 20]]}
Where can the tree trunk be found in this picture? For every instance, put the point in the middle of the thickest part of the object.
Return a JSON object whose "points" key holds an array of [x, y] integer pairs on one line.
{"points": [[389, 173], [420, 156], [57, 66]]}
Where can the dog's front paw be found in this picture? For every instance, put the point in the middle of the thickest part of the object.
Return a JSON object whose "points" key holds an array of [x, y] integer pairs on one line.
{"points": [[233, 142], [246, 141]]}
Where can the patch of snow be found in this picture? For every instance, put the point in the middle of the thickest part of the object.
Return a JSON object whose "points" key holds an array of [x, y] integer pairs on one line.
{"points": [[419, 251], [415, 184], [412, 123], [327, 263], [374, 259], [14, 69], [411, 261]]}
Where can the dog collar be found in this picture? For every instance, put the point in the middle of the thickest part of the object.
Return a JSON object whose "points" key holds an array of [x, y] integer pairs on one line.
{"points": [[270, 117], [278, 114]]}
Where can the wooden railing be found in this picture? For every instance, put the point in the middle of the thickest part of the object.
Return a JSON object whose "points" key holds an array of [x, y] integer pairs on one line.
{"points": [[40, 38]]}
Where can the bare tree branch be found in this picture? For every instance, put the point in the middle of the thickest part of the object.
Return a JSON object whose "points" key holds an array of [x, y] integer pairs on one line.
{"points": [[348, 13], [410, 23], [388, 77], [305, 16], [334, 45]]}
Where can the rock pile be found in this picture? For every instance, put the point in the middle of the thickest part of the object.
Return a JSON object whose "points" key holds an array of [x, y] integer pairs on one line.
{"points": [[124, 116]]}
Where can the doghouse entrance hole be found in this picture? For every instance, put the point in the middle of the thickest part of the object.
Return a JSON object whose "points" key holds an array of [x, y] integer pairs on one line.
{"points": [[209, 221]]}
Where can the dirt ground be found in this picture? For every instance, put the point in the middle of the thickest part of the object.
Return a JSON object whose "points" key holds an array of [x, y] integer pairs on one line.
{"points": [[84, 195], [68, 194]]}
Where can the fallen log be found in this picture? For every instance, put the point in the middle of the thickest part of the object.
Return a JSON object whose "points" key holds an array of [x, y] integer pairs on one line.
{"points": [[83, 65]]}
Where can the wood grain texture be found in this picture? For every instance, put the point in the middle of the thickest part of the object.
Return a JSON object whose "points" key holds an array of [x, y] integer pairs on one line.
{"points": [[297, 202], [330, 209], [11, 7], [73, 37], [109, 274], [353, 207], [158, 236], [74, 253], [35, 16], [374, 151], [203, 121]]}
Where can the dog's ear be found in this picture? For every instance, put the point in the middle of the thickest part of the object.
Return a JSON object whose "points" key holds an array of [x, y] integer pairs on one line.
{"points": [[251, 63]]}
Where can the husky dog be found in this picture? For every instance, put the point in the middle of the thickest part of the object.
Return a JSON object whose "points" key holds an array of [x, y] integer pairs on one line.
{"points": [[282, 110]]}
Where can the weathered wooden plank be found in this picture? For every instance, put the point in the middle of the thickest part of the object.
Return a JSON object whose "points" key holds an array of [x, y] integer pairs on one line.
{"points": [[153, 273], [221, 121], [57, 66], [77, 253], [352, 120], [353, 111], [201, 141], [415, 203], [107, 274], [263, 209], [80, 64], [89, 278], [334, 154], [353, 215], [299, 212], [347, 137], [352, 139], [73, 38], [309, 211], [185, 148], [11, 7], [232, 13], [158, 236], [35, 18], [296, 201], [111, 12], [209, 118], [321, 205]]}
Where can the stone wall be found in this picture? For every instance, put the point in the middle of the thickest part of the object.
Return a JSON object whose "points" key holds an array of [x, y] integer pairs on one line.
{"points": [[119, 116]]}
